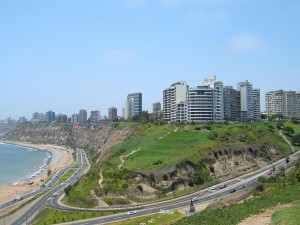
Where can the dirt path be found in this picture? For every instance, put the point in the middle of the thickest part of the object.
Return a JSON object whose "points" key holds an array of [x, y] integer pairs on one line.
{"points": [[287, 141], [101, 179], [264, 218], [124, 156]]}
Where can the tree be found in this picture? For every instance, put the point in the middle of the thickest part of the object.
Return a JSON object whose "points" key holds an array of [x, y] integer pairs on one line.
{"points": [[295, 119], [263, 116], [288, 130], [296, 139], [276, 117]]}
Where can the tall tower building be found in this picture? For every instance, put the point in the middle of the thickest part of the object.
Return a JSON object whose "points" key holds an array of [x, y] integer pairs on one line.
{"points": [[175, 102], [246, 93], [205, 103], [82, 116], [112, 113], [75, 118], [232, 104], [256, 105], [50, 116], [94, 116], [133, 105], [156, 108]]}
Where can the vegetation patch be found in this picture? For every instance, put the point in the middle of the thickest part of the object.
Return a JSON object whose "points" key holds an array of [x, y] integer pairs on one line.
{"points": [[116, 201], [156, 219], [287, 216], [279, 189], [51, 216]]}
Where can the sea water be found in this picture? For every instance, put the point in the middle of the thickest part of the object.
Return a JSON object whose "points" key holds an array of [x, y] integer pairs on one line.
{"points": [[18, 163]]}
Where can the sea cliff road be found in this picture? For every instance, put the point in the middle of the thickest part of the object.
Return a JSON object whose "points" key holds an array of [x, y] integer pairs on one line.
{"points": [[52, 198], [206, 195]]}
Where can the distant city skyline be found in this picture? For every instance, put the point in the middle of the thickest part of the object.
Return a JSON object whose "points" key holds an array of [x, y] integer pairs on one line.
{"points": [[70, 55]]}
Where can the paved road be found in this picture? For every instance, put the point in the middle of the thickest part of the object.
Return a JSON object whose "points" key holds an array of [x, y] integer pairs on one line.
{"points": [[38, 204], [184, 202]]}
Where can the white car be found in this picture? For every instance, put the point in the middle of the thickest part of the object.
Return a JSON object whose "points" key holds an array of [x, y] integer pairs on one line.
{"points": [[131, 213], [194, 199], [212, 189]]}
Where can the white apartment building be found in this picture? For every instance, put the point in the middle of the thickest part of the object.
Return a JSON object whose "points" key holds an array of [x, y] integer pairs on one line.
{"points": [[282, 102], [174, 102], [246, 92], [205, 103]]}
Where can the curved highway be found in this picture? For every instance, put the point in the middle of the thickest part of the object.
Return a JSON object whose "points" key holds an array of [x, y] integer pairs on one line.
{"points": [[51, 198], [50, 189]]}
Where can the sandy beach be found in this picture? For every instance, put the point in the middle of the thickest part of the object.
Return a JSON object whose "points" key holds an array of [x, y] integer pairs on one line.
{"points": [[61, 157]]}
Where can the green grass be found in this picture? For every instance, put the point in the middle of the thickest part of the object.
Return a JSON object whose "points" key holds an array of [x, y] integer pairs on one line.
{"points": [[287, 216], [166, 146], [157, 219], [51, 216], [160, 146], [80, 194], [65, 177], [296, 127]]}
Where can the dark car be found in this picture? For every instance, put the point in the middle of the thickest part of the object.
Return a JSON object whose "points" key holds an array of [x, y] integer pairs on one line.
{"points": [[232, 191], [223, 186]]}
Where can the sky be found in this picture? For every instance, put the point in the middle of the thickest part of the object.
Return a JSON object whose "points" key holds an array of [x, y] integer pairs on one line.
{"points": [[66, 55]]}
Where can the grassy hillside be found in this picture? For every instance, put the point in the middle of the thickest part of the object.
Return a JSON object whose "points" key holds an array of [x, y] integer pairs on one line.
{"points": [[162, 146]]}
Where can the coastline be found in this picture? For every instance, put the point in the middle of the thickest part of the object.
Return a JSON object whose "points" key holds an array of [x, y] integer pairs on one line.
{"points": [[59, 158], [40, 169]]}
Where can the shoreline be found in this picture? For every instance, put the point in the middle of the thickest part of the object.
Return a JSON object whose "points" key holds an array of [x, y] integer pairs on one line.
{"points": [[61, 157], [41, 169]]}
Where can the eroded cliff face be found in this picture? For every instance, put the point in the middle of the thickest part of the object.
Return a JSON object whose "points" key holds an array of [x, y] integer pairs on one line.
{"points": [[99, 141], [4, 130], [222, 163]]}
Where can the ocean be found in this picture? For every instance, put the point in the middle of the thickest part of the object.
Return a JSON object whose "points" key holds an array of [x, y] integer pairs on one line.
{"points": [[18, 164]]}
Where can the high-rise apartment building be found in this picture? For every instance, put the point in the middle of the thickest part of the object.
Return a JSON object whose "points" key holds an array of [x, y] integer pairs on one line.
{"points": [[82, 116], [210, 102], [112, 113], [246, 94], [256, 105], [50, 116], [205, 103], [94, 116], [75, 118], [133, 105], [38, 117], [174, 102], [200, 104], [61, 118], [232, 104], [282, 102], [156, 108]]}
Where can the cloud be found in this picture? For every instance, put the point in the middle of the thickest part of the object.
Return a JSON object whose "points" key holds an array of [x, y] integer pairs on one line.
{"points": [[119, 56], [246, 43]]}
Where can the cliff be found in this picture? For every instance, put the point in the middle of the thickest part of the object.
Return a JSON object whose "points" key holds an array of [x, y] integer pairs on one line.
{"points": [[98, 141]]}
